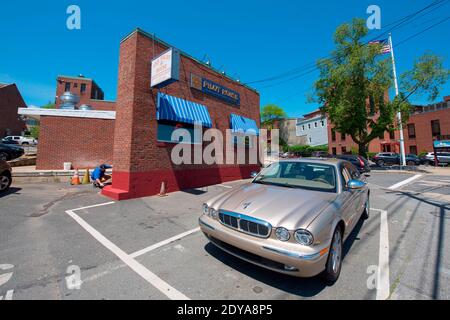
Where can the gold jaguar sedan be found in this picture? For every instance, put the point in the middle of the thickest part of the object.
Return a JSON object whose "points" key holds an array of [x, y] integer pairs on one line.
{"points": [[292, 218]]}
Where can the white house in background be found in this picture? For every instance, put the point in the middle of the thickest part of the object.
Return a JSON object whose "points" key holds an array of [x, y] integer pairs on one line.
{"points": [[314, 128]]}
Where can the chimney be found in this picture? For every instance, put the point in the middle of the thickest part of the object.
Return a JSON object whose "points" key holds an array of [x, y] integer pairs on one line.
{"points": [[447, 99]]}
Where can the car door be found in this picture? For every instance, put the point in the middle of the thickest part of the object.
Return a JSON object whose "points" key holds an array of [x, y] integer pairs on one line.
{"points": [[348, 209]]}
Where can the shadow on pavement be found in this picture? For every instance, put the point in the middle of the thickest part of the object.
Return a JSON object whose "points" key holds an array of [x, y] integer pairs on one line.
{"points": [[304, 287], [11, 190]]}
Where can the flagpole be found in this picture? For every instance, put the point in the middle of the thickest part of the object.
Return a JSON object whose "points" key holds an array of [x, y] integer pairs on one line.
{"points": [[399, 114]]}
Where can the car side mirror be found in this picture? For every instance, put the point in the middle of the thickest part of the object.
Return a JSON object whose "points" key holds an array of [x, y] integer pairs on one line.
{"points": [[253, 174], [356, 184]]}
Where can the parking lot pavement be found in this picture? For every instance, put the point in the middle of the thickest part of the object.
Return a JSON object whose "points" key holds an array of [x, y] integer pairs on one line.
{"points": [[151, 248]]}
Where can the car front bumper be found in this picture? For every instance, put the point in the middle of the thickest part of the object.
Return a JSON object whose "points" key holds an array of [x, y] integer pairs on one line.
{"points": [[268, 253]]}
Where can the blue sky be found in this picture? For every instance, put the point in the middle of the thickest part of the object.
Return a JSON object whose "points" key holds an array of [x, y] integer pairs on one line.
{"points": [[249, 39]]}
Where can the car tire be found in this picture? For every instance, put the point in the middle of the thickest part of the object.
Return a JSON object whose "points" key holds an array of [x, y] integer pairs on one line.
{"points": [[366, 212], [410, 163], [3, 156], [5, 182], [25, 144], [380, 163], [334, 261]]}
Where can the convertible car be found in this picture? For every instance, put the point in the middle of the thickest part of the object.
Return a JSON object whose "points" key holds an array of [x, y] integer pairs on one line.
{"points": [[292, 218]]}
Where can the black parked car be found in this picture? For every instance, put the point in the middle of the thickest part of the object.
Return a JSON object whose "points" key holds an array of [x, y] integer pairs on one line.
{"points": [[4, 141], [391, 158], [10, 152], [361, 163]]}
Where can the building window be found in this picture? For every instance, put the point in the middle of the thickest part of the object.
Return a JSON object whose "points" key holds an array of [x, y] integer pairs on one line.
{"points": [[411, 131], [167, 128], [413, 150], [435, 128], [344, 150], [323, 123], [392, 134], [309, 125], [310, 140], [83, 87], [303, 127], [333, 135], [315, 124], [381, 136], [343, 137], [67, 87], [333, 150]]}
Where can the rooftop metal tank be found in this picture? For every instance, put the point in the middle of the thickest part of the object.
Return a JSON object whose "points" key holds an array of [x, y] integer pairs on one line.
{"points": [[69, 101]]}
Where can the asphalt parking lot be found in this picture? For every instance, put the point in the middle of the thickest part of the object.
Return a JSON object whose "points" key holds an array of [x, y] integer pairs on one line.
{"points": [[151, 248]]}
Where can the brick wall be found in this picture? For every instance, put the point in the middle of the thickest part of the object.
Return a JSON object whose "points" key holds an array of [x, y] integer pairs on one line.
{"points": [[84, 142], [140, 162], [10, 101]]}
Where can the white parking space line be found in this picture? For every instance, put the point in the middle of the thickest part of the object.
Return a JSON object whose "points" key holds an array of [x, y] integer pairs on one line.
{"points": [[137, 267], [9, 295], [93, 206], [404, 182], [163, 243], [383, 282], [224, 186]]}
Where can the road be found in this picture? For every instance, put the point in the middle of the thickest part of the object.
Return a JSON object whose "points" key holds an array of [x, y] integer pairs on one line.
{"points": [[151, 248]]}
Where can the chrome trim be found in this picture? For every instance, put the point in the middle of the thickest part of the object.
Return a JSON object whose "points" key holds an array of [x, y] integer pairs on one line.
{"points": [[205, 224], [293, 254], [239, 217]]}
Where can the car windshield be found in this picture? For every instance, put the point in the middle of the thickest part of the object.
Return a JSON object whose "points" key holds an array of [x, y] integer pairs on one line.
{"points": [[304, 175]]}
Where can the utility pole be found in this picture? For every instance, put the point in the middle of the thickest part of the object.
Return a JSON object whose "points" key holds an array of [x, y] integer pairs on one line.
{"points": [[399, 114]]}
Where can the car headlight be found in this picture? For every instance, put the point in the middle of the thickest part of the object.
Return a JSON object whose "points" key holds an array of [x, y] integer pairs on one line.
{"points": [[205, 209], [304, 237], [213, 213], [282, 234]]}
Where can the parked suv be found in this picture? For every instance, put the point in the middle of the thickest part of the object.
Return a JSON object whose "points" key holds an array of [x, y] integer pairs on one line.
{"points": [[390, 158], [442, 157], [5, 176], [384, 158], [361, 163], [23, 141]]}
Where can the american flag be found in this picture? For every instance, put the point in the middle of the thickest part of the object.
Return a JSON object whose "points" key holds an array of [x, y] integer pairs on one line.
{"points": [[386, 48]]}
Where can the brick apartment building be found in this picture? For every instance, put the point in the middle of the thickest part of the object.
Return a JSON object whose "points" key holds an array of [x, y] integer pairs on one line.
{"points": [[86, 89], [425, 124], [10, 101], [145, 116]]}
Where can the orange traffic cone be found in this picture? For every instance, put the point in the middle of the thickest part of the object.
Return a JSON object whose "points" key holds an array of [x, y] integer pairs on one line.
{"points": [[162, 192], [75, 179]]}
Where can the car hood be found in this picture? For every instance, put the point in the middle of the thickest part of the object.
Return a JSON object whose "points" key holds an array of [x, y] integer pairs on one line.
{"points": [[291, 208]]}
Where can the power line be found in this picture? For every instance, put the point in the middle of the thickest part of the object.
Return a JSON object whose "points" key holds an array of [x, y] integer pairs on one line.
{"points": [[305, 68]]}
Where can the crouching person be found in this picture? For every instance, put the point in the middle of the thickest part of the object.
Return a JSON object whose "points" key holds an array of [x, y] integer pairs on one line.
{"points": [[99, 177]]}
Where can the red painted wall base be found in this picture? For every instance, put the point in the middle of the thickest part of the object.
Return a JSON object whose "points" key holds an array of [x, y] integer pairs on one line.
{"points": [[129, 185]]}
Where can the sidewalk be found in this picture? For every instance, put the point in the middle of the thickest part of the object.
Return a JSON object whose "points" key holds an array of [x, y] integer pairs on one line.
{"points": [[29, 174]]}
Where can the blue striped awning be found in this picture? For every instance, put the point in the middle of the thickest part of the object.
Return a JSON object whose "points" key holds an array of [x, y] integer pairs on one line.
{"points": [[240, 124], [180, 110]]}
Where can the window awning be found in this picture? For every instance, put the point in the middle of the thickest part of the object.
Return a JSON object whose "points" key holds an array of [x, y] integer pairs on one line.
{"points": [[240, 124], [180, 110]]}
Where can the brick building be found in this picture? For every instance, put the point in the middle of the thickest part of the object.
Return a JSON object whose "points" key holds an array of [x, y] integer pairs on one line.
{"points": [[10, 101], [425, 124], [87, 89], [144, 119], [142, 155]]}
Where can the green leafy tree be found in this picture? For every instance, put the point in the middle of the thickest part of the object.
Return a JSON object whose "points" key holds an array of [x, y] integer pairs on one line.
{"points": [[49, 105], [354, 81], [34, 132], [270, 113]]}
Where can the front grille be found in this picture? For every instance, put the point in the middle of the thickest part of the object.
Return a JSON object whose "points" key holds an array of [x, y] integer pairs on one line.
{"points": [[246, 224]]}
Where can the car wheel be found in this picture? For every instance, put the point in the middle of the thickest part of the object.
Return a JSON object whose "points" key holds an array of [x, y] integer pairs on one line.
{"points": [[411, 163], [365, 214], [380, 163], [5, 182], [3, 156], [334, 262]]}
